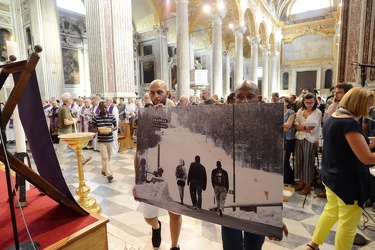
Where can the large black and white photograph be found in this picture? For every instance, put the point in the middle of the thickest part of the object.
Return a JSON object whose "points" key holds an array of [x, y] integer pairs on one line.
{"points": [[221, 164]]}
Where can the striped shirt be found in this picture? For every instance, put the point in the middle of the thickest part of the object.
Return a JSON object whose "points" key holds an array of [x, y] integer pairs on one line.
{"points": [[106, 120]]}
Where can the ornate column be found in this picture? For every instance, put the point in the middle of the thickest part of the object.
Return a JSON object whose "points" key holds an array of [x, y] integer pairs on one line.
{"points": [[191, 50], [254, 42], [238, 65], [265, 91], [110, 45], [161, 53], [86, 75], [45, 28], [183, 73], [226, 88], [209, 66], [275, 85], [279, 38], [217, 50]]}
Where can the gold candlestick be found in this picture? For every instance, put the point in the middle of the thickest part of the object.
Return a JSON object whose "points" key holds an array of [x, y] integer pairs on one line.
{"points": [[77, 141]]}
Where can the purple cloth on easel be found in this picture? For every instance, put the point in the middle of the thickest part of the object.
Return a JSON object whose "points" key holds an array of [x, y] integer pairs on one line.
{"points": [[36, 130]]}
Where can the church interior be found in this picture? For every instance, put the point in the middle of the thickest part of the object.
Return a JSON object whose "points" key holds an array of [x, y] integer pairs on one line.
{"points": [[117, 47]]}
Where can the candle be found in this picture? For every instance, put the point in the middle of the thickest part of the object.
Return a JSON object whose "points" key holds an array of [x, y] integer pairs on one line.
{"points": [[12, 48]]}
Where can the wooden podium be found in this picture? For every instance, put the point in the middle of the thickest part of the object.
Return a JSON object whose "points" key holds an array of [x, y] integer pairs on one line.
{"points": [[93, 236], [125, 139]]}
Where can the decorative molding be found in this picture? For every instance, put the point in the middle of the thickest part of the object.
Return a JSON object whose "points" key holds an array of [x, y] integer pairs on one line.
{"points": [[5, 7], [72, 31], [5, 20], [326, 28], [25, 6], [148, 34]]}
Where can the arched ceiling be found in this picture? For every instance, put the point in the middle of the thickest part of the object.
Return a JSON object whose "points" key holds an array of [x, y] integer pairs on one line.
{"points": [[147, 13]]}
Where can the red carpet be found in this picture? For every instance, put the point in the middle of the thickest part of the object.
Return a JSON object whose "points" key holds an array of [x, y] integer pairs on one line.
{"points": [[48, 222]]}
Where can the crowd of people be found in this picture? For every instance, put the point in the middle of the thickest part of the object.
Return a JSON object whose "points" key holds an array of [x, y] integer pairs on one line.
{"points": [[311, 124]]}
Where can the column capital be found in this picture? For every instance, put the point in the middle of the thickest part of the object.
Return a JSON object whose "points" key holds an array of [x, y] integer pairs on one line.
{"points": [[161, 29], [279, 35], [255, 40], [265, 48], [209, 48], [217, 16], [239, 31], [273, 55], [226, 53], [192, 39]]}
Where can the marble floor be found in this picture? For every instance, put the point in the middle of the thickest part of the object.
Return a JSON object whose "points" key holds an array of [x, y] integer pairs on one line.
{"points": [[127, 229]]}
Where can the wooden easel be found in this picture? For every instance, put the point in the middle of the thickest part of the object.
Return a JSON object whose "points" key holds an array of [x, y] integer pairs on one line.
{"points": [[26, 68]]}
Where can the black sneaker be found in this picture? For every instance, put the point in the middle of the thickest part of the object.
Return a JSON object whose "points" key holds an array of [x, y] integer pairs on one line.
{"points": [[175, 248], [110, 178], [156, 236]]}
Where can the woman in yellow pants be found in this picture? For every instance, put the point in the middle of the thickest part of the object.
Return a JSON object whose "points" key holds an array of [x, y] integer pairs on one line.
{"points": [[346, 152]]}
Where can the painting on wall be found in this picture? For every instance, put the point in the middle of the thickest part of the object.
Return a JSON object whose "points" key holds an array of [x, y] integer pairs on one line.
{"points": [[71, 66], [5, 35], [147, 50], [148, 72], [234, 138]]}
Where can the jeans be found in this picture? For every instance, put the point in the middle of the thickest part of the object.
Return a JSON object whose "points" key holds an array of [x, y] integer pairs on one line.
{"points": [[233, 239], [196, 192]]}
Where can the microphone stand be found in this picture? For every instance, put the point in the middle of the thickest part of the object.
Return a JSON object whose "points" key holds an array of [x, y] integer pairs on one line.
{"points": [[363, 71]]}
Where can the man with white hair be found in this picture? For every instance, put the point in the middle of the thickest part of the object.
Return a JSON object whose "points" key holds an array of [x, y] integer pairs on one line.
{"points": [[86, 118], [65, 123], [113, 110], [184, 101]]}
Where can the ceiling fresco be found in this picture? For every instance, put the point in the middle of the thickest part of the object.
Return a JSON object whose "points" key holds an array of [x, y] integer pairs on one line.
{"points": [[260, 17]]}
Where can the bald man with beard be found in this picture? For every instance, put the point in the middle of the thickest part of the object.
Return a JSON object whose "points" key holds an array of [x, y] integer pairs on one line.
{"points": [[159, 93], [159, 96]]}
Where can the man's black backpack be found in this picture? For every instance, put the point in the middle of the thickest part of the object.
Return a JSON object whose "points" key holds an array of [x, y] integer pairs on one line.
{"points": [[180, 172], [219, 178]]}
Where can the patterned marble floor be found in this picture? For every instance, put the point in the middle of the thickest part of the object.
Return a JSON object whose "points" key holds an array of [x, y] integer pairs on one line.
{"points": [[127, 229]]}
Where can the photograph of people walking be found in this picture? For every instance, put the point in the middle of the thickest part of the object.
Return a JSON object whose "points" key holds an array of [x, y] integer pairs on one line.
{"points": [[217, 142]]}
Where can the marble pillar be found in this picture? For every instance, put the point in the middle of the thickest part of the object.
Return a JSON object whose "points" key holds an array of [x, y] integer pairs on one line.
{"points": [[209, 66], [182, 30], [275, 85], [226, 89], [254, 42], [46, 33], [85, 77], [191, 51], [238, 65], [161, 53], [279, 38], [265, 84], [110, 46], [217, 50]]}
